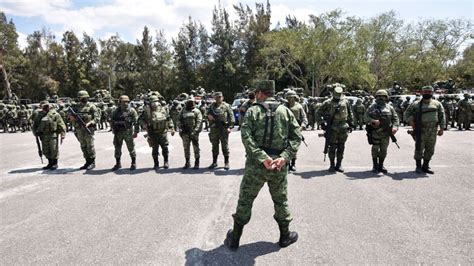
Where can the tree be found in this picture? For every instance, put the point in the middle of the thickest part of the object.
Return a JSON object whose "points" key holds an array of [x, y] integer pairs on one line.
{"points": [[74, 70], [89, 56]]}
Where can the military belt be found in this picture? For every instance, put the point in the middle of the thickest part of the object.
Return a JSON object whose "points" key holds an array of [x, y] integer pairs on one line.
{"points": [[272, 151]]}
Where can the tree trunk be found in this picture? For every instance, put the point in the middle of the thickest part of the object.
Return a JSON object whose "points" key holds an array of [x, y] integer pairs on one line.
{"points": [[7, 83]]}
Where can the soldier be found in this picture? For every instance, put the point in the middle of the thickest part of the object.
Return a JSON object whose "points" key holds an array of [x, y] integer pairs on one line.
{"points": [[203, 109], [464, 112], [48, 125], [110, 109], [174, 112], [383, 122], [124, 124], [359, 113], [448, 110], [425, 116], [270, 145], [23, 118], [245, 106], [156, 121], [189, 126], [88, 113], [300, 115], [221, 122], [11, 118], [337, 113]]}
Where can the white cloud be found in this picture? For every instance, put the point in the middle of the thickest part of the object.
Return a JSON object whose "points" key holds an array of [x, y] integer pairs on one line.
{"points": [[22, 40]]}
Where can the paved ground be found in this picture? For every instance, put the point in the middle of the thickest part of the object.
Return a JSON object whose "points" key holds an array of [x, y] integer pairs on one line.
{"points": [[180, 217]]}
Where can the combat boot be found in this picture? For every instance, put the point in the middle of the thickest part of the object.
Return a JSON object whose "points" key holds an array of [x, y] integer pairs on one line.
{"points": [[426, 167], [292, 165], [214, 163], [54, 165], [382, 169], [165, 164], [375, 165], [338, 166], [286, 236], [360, 127], [133, 165], [48, 166], [418, 167], [156, 163], [91, 164], [332, 167], [196, 163], [117, 165], [86, 164], [226, 163], [232, 240], [187, 164]]}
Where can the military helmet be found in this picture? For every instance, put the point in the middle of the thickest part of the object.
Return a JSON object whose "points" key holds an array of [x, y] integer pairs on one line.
{"points": [[338, 90], [265, 85], [217, 94], [291, 93], [467, 95], [153, 98], [381, 93], [124, 98], [427, 88], [82, 94]]}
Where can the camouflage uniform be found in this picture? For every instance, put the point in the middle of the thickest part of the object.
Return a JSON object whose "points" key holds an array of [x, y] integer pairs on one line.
{"points": [[87, 111], [223, 120], [298, 111], [339, 108], [48, 125], [432, 117], [189, 126], [157, 121], [124, 125], [174, 112], [279, 139], [359, 113], [464, 113], [448, 106], [23, 118], [380, 135]]}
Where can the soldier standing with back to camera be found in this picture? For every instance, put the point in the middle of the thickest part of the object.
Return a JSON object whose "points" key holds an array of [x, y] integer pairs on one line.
{"points": [[189, 126], [336, 113], [271, 136], [124, 124], [300, 115], [425, 116], [48, 126], [87, 111], [221, 122], [464, 112], [156, 121], [382, 122]]}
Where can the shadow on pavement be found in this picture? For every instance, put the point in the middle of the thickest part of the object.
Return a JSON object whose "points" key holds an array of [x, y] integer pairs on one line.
{"points": [[406, 175], [312, 174], [26, 170], [361, 175], [221, 172], [245, 255], [59, 171]]}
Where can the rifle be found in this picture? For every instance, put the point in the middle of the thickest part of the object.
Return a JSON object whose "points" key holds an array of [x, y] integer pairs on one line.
{"points": [[328, 132], [79, 119], [386, 127], [303, 140], [40, 152]]}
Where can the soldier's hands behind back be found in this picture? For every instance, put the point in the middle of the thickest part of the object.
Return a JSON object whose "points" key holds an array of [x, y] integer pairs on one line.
{"points": [[268, 163], [279, 163]]}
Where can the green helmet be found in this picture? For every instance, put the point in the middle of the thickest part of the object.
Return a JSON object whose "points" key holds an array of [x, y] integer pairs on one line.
{"points": [[153, 98], [427, 88], [291, 93], [124, 98], [265, 85], [381, 93], [82, 94]]}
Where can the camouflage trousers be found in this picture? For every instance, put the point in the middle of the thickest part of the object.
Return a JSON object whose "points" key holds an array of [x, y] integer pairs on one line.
{"points": [[380, 145], [427, 144], [359, 120], [87, 143], [337, 143], [464, 120], [159, 139], [216, 137], [119, 138], [49, 145], [187, 140], [255, 177]]}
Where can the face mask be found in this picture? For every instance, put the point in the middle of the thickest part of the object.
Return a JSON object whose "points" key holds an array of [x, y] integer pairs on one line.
{"points": [[380, 100], [251, 97], [427, 96], [189, 106], [83, 100], [46, 109]]}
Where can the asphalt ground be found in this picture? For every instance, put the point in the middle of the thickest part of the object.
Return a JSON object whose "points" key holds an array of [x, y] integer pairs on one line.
{"points": [[175, 216]]}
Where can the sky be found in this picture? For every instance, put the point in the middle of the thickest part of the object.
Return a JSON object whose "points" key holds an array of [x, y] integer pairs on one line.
{"points": [[103, 18]]}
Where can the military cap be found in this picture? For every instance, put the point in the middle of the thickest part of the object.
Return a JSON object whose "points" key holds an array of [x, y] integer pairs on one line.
{"points": [[82, 94], [217, 94], [427, 88], [265, 85], [291, 93], [153, 98], [124, 98]]}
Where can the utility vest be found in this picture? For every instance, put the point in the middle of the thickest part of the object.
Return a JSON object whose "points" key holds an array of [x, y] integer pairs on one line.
{"points": [[47, 123]]}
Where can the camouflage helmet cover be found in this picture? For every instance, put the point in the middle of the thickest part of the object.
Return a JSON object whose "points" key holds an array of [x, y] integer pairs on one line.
{"points": [[381, 93], [82, 94]]}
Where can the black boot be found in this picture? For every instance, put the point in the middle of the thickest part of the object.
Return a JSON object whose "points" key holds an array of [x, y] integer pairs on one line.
{"points": [[226, 163], [196, 163], [91, 164], [332, 167], [232, 240], [360, 127], [375, 165], [117, 165], [88, 162], [214, 163], [166, 164], [292, 165], [286, 237], [382, 169], [133, 165], [54, 165], [418, 167], [338, 165], [426, 167], [48, 166], [187, 164], [156, 163]]}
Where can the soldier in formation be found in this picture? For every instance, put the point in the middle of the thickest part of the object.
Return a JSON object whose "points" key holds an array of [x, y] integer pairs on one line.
{"points": [[300, 115], [359, 114], [189, 126], [465, 112]]}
